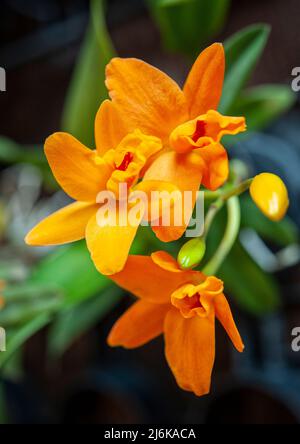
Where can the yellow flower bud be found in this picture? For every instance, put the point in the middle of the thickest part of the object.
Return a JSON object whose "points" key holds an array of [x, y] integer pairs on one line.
{"points": [[191, 253], [270, 195]]}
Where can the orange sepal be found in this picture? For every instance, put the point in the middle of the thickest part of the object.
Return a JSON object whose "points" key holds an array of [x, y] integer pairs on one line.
{"points": [[147, 98], [148, 281], [110, 129], [74, 167], [203, 87], [63, 226], [224, 315], [141, 323]]}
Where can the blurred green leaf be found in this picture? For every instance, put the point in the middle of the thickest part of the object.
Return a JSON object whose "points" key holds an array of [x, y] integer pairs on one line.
{"points": [[187, 25], [254, 290], [243, 51], [87, 89], [17, 337], [73, 322], [71, 269], [28, 292], [11, 152], [263, 104], [281, 233], [13, 270], [15, 314]]}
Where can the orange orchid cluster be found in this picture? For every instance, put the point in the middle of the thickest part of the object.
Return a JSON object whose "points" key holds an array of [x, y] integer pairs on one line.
{"points": [[150, 136]]}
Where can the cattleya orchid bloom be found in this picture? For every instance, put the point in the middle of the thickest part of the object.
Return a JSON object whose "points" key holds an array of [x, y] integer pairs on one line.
{"points": [[186, 121], [82, 174], [180, 304], [270, 194]]}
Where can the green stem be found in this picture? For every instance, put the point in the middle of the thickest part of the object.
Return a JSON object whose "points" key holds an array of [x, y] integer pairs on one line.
{"points": [[212, 212], [230, 236], [237, 190], [222, 198]]}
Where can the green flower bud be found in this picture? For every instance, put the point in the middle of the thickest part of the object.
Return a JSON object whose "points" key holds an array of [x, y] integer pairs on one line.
{"points": [[191, 254]]}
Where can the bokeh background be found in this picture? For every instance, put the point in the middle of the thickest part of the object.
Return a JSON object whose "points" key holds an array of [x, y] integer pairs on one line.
{"points": [[58, 310]]}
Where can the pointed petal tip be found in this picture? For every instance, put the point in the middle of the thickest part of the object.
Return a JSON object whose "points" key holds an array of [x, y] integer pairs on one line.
{"points": [[107, 270], [111, 341], [28, 240], [31, 239], [218, 44], [241, 348]]}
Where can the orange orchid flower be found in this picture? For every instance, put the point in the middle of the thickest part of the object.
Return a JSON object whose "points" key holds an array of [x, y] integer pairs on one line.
{"points": [[180, 304], [82, 174], [185, 120]]}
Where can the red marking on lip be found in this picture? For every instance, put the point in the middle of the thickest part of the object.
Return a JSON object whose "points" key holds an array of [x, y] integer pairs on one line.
{"points": [[125, 162], [200, 130]]}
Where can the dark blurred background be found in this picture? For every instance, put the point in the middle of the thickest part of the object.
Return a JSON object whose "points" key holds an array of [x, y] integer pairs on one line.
{"points": [[91, 383]]}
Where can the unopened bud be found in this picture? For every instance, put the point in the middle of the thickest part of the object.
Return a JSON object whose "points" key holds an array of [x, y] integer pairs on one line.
{"points": [[270, 195], [191, 254]]}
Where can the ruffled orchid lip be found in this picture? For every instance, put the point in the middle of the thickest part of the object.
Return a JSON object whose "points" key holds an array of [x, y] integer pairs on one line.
{"points": [[189, 306], [192, 300], [204, 131]]}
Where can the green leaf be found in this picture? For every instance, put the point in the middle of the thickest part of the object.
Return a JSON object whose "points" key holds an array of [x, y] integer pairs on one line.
{"points": [[16, 338], [243, 51], [254, 291], [71, 270], [187, 25], [263, 104], [281, 233], [15, 314], [29, 292], [12, 152], [73, 322], [87, 89]]}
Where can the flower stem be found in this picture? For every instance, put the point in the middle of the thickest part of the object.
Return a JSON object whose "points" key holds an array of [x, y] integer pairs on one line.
{"points": [[230, 236], [222, 198]]}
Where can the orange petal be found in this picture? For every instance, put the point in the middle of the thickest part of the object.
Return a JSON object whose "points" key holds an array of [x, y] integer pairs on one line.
{"points": [[203, 88], [190, 350], [157, 196], [147, 98], [224, 315], [66, 225], [140, 324], [109, 240], [185, 172], [74, 167], [110, 129], [216, 172], [146, 280], [165, 261]]}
